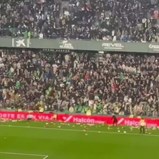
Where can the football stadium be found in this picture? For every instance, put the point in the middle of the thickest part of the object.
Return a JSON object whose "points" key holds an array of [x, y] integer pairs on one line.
{"points": [[79, 79]]}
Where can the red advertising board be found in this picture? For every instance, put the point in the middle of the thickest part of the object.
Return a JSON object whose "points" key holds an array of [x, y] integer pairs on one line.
{"points": [[83, 119], [25, 115], [123, 121]]}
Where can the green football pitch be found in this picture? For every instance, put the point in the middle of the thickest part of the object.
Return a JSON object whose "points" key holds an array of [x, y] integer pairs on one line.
{"points": [[34, 140]]}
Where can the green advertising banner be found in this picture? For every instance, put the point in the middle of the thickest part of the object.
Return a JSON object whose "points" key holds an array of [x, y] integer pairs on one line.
{"points": [[90, 45]]}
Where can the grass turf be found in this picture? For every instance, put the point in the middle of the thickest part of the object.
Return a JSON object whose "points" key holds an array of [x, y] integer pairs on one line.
{"points": [[70, 141], [19, 156]]}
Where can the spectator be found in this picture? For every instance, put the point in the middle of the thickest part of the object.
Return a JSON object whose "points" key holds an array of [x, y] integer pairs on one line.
{"points": [[119, 20]]}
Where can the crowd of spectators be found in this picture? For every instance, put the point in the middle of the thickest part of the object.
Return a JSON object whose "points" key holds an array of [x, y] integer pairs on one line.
{"points": [[111, 20], [124, 84]]}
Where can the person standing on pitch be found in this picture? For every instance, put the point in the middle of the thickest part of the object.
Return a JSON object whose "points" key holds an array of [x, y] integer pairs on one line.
{"points": [[115, 120], [142, 126]]}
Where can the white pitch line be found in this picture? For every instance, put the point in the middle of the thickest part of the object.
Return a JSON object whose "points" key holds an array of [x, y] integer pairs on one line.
{"points": [[23, 154], [45, 157], [77, 130]]}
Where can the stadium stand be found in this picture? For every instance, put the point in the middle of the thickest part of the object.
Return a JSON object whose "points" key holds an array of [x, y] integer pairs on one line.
{"points": [[110, 82], [119, 20], [124, 84]]}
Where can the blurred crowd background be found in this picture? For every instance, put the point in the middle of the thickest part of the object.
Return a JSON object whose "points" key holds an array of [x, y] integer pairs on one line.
{"points": [[109, 20], [124, 84]]}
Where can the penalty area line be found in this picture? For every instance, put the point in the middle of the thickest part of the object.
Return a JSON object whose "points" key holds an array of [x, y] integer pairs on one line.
{"points": [[24, 154]]}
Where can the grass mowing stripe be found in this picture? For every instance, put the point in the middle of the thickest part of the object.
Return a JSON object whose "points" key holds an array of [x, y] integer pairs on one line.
{"points": [[76, 130], [24, 154]]}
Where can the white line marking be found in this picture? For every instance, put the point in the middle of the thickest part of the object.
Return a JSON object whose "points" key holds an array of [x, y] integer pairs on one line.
{"points": [[45, 157], [77, 130], [24, 154]]}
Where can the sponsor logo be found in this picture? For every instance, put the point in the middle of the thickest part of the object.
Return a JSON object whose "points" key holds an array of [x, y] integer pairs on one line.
{"points": [[7, 115], [131, 123], [66, 45], [121, 120], [44, 117], [154, 47], [113, 46], [67, 119], [25, 116], [87, 120], [20, 43]]}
